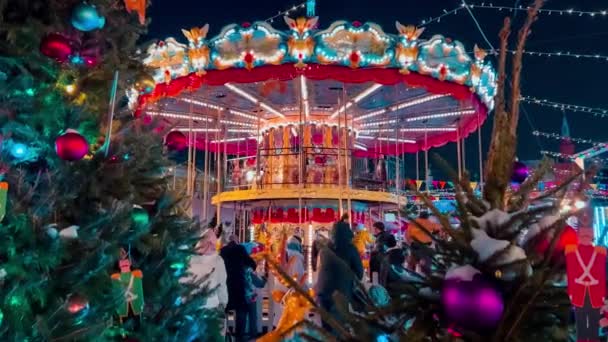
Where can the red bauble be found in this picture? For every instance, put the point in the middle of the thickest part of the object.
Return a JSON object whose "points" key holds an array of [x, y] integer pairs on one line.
{"points": [[176, 141], [71, 146], [77, 304], [57, 46]]}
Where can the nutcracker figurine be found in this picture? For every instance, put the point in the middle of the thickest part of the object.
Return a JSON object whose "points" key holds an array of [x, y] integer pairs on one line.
{"points": [[586, 270], [130, 281]]}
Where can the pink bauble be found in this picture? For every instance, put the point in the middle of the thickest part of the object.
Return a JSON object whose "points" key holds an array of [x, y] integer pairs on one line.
{"points": [[474, 304], [176, 141], [57, 46], [71, 146]]}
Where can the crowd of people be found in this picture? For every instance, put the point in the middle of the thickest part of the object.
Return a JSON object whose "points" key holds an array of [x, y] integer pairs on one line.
{"points": [[340, 261]]}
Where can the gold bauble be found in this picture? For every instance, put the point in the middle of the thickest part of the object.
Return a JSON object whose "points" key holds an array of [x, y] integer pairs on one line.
{"points": [[144, 83]]}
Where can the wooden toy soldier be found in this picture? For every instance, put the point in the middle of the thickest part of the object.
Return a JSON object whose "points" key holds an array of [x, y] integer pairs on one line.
{"points": [[586, 271], [132, 303]]}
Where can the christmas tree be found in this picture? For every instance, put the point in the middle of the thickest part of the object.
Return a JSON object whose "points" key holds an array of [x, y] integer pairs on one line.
{"points": [[490, 281], [92, 241]]}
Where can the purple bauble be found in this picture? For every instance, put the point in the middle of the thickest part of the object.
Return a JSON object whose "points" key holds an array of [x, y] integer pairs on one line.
{"points": [[520, 172], [472, 304]]}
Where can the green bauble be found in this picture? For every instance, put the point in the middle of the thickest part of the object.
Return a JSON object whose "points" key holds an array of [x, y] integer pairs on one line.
{"points": [[140, 216]]}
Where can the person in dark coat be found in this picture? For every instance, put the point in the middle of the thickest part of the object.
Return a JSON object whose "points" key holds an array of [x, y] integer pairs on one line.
{"points": [[237, 261], [391, 267], [377, 254], [339, 267]]}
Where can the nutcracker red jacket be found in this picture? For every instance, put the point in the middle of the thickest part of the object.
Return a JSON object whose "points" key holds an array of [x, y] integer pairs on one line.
{"points": [[586, 268]]}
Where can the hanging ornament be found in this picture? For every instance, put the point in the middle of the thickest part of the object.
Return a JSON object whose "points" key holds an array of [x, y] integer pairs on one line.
{"points": [[379, 296], [71, 146], [77, 304], [57, 46], [140, 216], [144, 83], [470, 300], [138, 6], [567, 237], [130, 282], [176, 141], [3, 199], [69, 233], [85, 17], [520, 172], [88, 55]]}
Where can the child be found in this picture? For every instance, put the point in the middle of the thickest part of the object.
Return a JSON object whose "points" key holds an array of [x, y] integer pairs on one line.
{"points": [[252, 283]]}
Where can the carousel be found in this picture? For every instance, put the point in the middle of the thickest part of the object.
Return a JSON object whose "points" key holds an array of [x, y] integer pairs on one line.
{"points": [[301, 124]]}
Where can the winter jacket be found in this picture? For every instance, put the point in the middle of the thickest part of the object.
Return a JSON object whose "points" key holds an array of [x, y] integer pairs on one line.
{"points": [[414, 233], [212, 266], [252, 283], [391, 264], [237, 260], [339, 265], [377, 253]]}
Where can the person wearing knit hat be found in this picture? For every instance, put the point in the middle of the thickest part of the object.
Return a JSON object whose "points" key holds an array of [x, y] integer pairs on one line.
{"points": [[208, 265]]}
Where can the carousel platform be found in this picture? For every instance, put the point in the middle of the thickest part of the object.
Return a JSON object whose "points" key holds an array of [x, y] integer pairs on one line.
{"points": [[328, 192]]}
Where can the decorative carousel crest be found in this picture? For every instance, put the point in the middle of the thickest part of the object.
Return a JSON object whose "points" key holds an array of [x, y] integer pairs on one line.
{"points": [[248, 45], [198, 51], [354, 44], [169, 59], [406, 51], [444, 59], [301, 44]]}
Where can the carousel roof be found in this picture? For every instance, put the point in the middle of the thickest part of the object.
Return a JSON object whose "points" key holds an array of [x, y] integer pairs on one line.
{"points": [[398, 92]]}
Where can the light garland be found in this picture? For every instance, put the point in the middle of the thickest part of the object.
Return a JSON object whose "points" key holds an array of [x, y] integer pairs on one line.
{"points": [[441, 115], [570, 157], [601, 112], [548, 11], [286, 12], [438, 18], [563, 54], [556, 136], [177, 115], [367, 92]]}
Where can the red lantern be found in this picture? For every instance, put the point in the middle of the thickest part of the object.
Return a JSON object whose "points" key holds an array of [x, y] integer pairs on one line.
{"points": [[176, 141], [71, 146], [57, 46]]}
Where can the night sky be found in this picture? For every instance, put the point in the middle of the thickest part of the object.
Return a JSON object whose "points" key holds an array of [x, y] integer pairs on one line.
{"points": [[560, 79]]}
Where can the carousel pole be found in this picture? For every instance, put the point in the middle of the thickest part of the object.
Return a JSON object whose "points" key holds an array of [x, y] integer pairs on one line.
{"points": [[300, 155], [397, 176], [417, 165], [339, 164], [426, 159], [464, 159], [260, 139], [479, 153], [218, 206], [458, 152], [193, 187], [347, 159], [189, 162], [206, 172]]}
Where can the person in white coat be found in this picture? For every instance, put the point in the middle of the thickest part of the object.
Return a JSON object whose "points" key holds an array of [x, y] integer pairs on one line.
{"points": [[208, 263]]}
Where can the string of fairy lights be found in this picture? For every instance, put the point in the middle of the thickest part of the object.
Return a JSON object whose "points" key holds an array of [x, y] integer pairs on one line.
{"points": [[595, 111], [464, 6], [556, 136], [568, 156], [546, 11], [281, 14]]}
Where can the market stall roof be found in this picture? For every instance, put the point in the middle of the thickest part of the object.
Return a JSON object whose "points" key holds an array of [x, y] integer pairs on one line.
{"points": [[398, 92]]}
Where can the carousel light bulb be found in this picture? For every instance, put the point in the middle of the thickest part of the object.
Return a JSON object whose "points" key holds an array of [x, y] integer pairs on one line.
{"points": [[249, 176]]}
